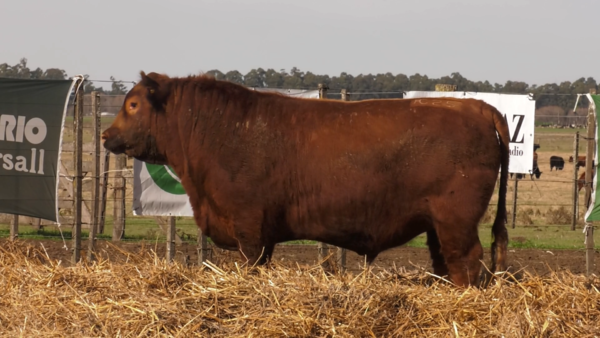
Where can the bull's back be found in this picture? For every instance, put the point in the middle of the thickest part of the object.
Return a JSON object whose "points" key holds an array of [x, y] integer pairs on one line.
{"points": [[401, 138]]}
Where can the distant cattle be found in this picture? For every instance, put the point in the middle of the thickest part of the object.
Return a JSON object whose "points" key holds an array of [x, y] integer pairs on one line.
{"points": [[264, 168], [581, 181], [535, 171], [557, 162], [580, 161]]}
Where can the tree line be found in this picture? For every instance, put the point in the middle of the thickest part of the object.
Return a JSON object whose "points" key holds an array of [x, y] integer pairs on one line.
{"points": [[362, 86], [22, 71], [391, 85]]}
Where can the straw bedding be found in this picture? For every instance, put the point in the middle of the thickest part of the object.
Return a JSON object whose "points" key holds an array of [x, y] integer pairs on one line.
{"points": [[142, 295]]}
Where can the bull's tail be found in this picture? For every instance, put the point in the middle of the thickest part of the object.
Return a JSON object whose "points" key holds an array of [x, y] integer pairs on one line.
{"points": [[499, 232]]}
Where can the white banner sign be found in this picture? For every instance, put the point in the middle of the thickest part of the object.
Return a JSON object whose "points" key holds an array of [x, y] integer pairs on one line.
{"points": [[519, 112], [157, 191]]}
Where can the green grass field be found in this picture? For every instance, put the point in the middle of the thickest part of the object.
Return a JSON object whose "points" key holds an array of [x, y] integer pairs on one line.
{"points": [[538, 237]]}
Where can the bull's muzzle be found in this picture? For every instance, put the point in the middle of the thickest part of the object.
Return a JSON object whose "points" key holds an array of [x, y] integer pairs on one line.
{"points": [[112, 141]]}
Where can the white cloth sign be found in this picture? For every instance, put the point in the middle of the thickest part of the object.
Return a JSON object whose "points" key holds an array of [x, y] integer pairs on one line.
{"points": [[157, 191], [519, 112]]}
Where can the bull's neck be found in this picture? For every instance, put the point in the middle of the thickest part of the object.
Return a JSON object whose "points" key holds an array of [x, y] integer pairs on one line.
{"points": [[207, 122]]}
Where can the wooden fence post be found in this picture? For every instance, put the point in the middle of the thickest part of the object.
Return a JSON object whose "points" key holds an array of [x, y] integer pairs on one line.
{"points": [[322, 248], [77, 179], [94, 226], [344, 95], [14, 228], [103, 196], [575, 181], [589, 180], [37, 224], [172, 225], [515, 194], [119, 198], [164, 227]]}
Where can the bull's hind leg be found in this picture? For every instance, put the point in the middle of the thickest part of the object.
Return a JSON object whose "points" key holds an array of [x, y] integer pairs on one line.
{"points": [[438, 262]]}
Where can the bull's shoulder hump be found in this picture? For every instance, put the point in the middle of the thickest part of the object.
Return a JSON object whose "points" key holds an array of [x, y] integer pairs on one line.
{"points": [[450, 103]]}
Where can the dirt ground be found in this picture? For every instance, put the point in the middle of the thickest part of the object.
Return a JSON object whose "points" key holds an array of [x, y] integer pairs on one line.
{"points": [[534, 261]]}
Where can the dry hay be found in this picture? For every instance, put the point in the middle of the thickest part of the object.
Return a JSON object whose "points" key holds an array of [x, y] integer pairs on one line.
{"points": [[145, 296]]}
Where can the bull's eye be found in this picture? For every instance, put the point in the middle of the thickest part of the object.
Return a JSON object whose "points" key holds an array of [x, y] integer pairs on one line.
{"points": [[132, 105]]}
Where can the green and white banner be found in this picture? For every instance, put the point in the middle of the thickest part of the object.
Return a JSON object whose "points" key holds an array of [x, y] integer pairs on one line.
{"points": [[32, 116], [593, 212], [157, 191]]}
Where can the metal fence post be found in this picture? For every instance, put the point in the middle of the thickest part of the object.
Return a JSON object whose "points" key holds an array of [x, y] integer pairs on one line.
{"points": [[515, 194], [94, 226], [575, 181], [103, 196], [119, 198], [341, 252], [322, 248]]}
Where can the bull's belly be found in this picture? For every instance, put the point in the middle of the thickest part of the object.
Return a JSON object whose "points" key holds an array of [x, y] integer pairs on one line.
{"points": [[220, 237], [369, 237]]}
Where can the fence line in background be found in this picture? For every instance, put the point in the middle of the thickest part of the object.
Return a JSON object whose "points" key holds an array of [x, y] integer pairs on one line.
{"points": [[94, 215]]}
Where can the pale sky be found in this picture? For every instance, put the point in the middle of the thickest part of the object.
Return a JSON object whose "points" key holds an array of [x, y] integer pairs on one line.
{"points": [[538, 41]]}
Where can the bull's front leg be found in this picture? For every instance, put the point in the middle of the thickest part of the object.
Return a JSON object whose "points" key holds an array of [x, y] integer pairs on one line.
{"points": [[256, 254], [251, 241]]}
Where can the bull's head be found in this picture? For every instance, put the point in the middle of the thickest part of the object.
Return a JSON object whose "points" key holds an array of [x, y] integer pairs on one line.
{"points": [[141, 122]]}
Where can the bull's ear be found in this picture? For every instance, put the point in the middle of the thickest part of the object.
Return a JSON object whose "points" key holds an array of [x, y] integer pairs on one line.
{"points": [[158, 87]]}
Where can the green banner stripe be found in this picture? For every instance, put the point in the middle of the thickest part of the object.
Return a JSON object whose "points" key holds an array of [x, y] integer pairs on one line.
{"points": [[165, 178]]}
